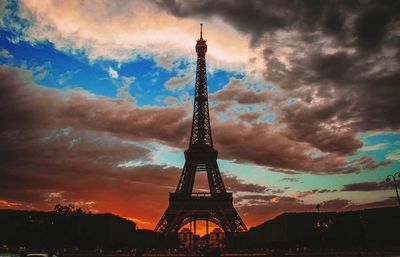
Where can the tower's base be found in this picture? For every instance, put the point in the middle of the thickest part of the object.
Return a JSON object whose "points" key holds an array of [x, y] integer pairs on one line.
{"points": [[216, 208]]}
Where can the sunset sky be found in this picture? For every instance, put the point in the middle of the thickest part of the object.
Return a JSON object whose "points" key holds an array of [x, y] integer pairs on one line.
{"points": [[96, 103]]}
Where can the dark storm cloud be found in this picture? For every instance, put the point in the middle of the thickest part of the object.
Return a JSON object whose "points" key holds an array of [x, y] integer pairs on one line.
{"points": [[338, 95], [370, 27], [308, 124], [343, 68], [335, 204], [368, 186], [251, 13], [263, 145], [259, 17]]}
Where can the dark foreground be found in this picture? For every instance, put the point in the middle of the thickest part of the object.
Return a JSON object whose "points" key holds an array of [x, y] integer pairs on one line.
{"points": [[276, 254], [370, 228], [267, 253]]}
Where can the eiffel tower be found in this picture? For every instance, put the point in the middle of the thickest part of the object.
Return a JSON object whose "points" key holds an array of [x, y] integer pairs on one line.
{"points": [[185, 206]]}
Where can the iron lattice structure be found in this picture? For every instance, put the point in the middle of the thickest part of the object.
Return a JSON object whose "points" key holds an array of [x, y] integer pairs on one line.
{"points": [[184, 205]]}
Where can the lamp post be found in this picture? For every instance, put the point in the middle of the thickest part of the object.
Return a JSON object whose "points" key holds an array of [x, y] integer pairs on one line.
{"points": [[318, 206], [393, 176]]}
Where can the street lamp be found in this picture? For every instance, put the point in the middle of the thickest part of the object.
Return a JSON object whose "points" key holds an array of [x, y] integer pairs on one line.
{"points": [[388, 179], [318, 206]]}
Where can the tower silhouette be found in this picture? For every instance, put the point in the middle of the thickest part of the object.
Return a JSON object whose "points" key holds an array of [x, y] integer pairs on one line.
{"points": [[185, 206]]}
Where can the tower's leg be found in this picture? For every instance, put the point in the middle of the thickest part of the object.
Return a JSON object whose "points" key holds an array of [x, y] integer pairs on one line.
{"points": [[214, 178], [186, 181]]}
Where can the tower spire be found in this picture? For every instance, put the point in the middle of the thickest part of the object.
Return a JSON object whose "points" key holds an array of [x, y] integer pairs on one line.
{"points": [[201, 129]]}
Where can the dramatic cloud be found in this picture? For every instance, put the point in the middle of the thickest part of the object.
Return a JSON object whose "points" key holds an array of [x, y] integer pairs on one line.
{"points": [[336, 60], [264, 145], [42, 167], [368, 186], [252, 17], [49, 155], [339, 75], [50, 160], [56, 146], [236, 90], [313, 192], [256, 18], [124, 29], [37, 108]]}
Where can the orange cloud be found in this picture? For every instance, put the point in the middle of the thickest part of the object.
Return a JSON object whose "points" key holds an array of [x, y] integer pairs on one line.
{"points": [[136, 28]]}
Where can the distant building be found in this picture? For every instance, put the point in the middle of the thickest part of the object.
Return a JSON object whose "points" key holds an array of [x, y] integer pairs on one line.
{"points": [[217, 238], [188, 240], [185, 238]]}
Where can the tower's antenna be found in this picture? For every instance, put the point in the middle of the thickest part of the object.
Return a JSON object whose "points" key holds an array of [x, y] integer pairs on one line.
{"points": [[201, 30]]}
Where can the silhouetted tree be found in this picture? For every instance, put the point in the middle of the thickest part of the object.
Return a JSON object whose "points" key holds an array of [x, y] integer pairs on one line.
{"points": [[67, 209]]}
